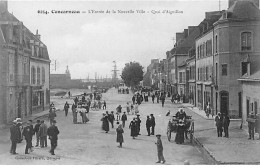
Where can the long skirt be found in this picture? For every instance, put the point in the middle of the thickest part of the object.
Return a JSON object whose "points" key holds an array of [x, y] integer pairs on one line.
{"points": [[75, 117]]}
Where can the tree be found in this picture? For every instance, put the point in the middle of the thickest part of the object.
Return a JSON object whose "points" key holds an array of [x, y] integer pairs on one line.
{"points": [[132, 74]]}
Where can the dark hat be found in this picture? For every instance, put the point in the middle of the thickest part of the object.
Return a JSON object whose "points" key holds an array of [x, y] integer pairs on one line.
{"points": [[112, 111], [151, 114], [54, 121], [30, 120], [138, 115], [158, 135], [124, 111], [38, 121]]}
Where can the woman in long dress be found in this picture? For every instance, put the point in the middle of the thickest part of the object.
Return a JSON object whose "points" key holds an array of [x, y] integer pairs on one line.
{"points": [[179, 138], [119, 137], [74, 113], [133, 127], [105, 123]]}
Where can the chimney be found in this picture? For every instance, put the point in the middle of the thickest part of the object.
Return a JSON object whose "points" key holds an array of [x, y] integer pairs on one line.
{"points": [[231, 2], [185, 33], [179, 37], [38, 36], [190, 29], [3, 6]]}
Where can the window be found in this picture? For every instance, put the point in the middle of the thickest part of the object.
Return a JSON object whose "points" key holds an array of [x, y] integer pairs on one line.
{"points": [[209, 47], [216, 42], [207, 73], [38, 75], [224, 69], [43, 75], [244, 67], [216, 73], [33, 75], [246, 41], [198, 74]]}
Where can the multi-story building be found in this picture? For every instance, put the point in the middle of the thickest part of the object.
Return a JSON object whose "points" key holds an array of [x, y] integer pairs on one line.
{"points": [[17, 52], [180, 53], [236, 36], [204, 61], [191, 76]]}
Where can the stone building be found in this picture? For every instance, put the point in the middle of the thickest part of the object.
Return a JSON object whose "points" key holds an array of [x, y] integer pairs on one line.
{"points": [[17, 52], [236, 35]]}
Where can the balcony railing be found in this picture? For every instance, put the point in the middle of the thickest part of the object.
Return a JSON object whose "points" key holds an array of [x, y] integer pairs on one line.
{"points": [[22, 79]]}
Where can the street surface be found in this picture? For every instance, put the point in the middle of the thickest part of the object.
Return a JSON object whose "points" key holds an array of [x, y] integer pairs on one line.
{"points": [[89, 144]]}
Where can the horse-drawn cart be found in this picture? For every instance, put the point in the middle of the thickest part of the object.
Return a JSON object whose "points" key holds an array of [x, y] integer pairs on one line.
{"points": [[188, 126]]}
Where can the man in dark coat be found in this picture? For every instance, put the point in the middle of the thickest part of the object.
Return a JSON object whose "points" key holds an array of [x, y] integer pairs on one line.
{"points": [[219, 124], [152, 124], [111, 118], [251, 126], [159, 149], [15, 137], [119, 137], [43, 134], [179, 137], [226, 122], [148, 125], [105, 123], [123, 118], [163, 99], [53, 132], [133, 99], [153, 96], [158, 97], [257, 125], [133, 127], [28, 133], [66, 108], [138, 123], [36, 131]]}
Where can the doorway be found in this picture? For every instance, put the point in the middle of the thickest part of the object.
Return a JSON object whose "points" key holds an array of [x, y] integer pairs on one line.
{"points": [[224, 102]]}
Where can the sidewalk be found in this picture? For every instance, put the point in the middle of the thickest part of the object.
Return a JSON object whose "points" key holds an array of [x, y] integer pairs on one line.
{"points": [[237, 149]]}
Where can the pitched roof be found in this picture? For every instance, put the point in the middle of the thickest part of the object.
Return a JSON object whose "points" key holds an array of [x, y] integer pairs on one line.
{"points": [[242, 10], [187, 43]]}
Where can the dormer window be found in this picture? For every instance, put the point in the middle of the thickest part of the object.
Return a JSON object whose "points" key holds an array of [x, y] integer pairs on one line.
{"points": [[246, 41]]}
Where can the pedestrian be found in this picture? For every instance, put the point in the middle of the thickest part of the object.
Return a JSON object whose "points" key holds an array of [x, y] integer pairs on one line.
{"points": [[105, 123], [43, 134], [133, 127], [15, 137], [152, 124], [20, 128], [104, 105], [163, 99], [66, 108], [179, 138], [111, 118], [132, 109], [148, 125], [133, 99], [153, 96], [69, 94], [74, 113], [119, 137], [52, 114], [181, 114], [158, 98], [53, 132], [251, 125], [28, 133], [36, 131], [124, 118], [219, 124], [127, 108], [119, 109], [159, 149], [226, 121], [257, 125], [138, 123]]}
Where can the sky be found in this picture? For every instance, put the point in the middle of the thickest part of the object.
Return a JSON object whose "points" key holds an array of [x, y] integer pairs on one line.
{"points": [[89, 42]]}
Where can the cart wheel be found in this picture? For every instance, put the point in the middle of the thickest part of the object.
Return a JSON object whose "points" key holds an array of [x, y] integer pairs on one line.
{"points": [[191, 132]]}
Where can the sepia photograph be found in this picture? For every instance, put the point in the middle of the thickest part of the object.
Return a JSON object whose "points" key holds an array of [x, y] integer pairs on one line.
{"points": [[121, 82]]}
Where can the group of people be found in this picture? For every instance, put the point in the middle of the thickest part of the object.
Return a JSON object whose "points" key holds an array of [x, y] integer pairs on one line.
{"points": [[222, 123], [40, 130], [253, 125], [123, 91]]}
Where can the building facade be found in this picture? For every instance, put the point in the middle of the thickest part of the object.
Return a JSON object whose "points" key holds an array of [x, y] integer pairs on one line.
{"points": [[236, 35], [16, 54]]}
